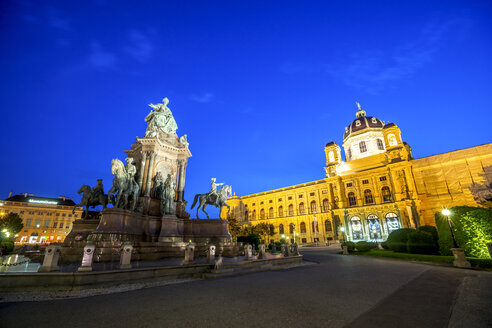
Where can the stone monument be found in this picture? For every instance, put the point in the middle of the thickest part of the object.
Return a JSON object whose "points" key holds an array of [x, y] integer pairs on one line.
{"points": [[51, 256], [148, 197]]}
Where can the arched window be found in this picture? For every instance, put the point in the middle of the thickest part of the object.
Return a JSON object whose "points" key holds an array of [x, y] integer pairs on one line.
{"points": [[380, 144], [246, 214], [301, 208], [331, 156], [281, 229], [392, 140], [368, 196], [392, 222], [349, 153], [253, 216], [291, 210], [385, 191], [351, 198], [326, 207], [362, 146], [280, 211], [356, 228], [303, 227], [262, 214], [270, 213], [328, 227], [313, 207], [291, 228]]}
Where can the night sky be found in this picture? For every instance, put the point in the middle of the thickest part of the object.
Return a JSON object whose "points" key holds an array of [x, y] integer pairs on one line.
{"points": [[259, 87]]}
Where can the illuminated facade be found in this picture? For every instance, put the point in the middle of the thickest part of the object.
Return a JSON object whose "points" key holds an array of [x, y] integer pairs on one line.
{"points": [[46, 220], [379, 188]]}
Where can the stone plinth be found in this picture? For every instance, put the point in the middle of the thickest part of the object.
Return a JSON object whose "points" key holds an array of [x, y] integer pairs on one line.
{"points": [[459, 258]]}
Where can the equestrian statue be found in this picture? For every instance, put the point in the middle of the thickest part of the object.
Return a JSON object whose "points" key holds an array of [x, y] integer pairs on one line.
{"points": [[213, 197], [93, 197], [124, 184]]}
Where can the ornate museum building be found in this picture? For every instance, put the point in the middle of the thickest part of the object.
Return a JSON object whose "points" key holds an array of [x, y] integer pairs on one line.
{"points": [[46, 220], [380, 187]]}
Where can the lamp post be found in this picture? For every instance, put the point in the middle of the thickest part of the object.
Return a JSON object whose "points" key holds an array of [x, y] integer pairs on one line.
{"points": [[342, 229], [447, 213]]}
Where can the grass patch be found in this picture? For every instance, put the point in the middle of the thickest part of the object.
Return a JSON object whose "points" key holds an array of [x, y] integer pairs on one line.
{"points": [[438, 259]]}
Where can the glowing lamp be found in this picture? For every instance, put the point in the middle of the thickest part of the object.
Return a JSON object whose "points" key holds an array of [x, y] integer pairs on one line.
{"points": [[446, 212]]}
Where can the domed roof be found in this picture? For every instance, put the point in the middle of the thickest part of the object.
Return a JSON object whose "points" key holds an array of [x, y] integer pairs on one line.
{"points": [[362, 122]]}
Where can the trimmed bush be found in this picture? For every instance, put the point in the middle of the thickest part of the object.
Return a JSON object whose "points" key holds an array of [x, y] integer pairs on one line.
{"points": [[350, 245], [397, 240], [421, 242], [364, 246], [252, 239], [385, 245], [8, 244]]}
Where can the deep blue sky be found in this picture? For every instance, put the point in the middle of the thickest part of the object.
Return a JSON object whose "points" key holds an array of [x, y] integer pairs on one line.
{"points": [[259, 87]]}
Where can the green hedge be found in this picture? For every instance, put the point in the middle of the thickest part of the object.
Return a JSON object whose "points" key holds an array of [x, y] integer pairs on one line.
{"points": [[364, 246], [252, 239], [421, 242], [350, 245], [397, 240], [8, 244], [472, 227]]}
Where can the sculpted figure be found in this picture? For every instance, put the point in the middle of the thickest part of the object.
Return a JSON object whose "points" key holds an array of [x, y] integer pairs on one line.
{"points": [[213, 190], [131, 170], [124, 184], [184, 141], [93, 197], [98, 189], [158, 189], [167, 200], [160, 119]]}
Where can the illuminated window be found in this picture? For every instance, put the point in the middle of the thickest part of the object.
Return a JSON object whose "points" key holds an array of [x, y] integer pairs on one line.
{"points": [[374, 226], [28, 222], [291, 209], [55, 224], [325, 205], [351, 198], [331, 156], [301, 208], [328, 227], [270, 213], [356, 228], [368, 196], [38, 223], [362, 146], [281, 229], [303, 227], [313, 207], [385, 191], [380, 144], [392, 222], [280, 211], [46, 223]]}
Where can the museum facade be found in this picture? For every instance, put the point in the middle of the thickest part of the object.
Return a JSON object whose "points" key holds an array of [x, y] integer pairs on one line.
{"points": [[379, 188]]}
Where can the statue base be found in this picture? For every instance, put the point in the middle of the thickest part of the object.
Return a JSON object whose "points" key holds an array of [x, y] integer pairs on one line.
{"points": [[152, 237]]}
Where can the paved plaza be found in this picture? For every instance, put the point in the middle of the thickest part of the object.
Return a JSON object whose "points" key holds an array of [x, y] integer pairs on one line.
{"points": [[335, 291]]}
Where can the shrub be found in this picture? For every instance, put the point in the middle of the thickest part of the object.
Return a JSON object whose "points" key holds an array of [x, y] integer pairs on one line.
{"points": [[397, 240], [364, 246], [252, 239], [385, 245], [432, 230], [421, 242], [350, 245], [8, 244]]}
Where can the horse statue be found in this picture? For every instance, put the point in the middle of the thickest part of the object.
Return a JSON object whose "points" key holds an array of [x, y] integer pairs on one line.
{"points": [[124, 185], [88, 199], [218, 200]]}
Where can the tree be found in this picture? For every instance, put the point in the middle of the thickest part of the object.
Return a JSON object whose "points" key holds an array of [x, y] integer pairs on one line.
{"points": [[263, 229], [12, 223], [234, 228]]}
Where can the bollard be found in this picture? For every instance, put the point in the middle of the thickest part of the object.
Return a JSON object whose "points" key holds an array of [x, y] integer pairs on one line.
{"points": [[51, 256], [345, 250], [261, 251], [248, 253], [126, 256], [459, 258], [189, 254], [211, 254], [87, 258]]}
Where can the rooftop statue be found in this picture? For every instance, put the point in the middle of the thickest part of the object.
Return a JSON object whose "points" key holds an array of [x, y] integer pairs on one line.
{"points": [[213, 197], [160, 119]]}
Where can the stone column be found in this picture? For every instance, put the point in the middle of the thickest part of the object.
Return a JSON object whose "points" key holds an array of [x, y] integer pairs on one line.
{"points": [[149, 174], [182, 177], [142, 170]]}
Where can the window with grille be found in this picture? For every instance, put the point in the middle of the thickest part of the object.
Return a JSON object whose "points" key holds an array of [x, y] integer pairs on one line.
{"points": [[351, 198], [362, 146], [385, 191], [368, 196], [380, 144]]}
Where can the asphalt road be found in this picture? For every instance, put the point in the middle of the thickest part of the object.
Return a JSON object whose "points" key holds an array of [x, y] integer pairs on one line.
{"points": [[338, 291]]}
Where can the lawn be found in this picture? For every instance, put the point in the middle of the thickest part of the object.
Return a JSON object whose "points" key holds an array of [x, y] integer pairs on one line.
{"points": [[438, 259]]}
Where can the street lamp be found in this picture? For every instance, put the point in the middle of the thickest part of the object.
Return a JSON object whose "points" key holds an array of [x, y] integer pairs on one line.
{"points": [[447, 213], [342, 229]]}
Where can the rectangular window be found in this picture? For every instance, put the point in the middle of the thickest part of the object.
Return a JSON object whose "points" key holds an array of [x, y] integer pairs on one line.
{"points": [[68, 225], [254, 204], [69, 215], [38, 223], [300, 196], [290, 198], [28, 222], [57, 214], [271, 201], [21, 212], [46, 223], [31, 213], [55, 224], [64, 214], [382, 178], [365, 181], [311, 194], [280, 199], [349, 184]]}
